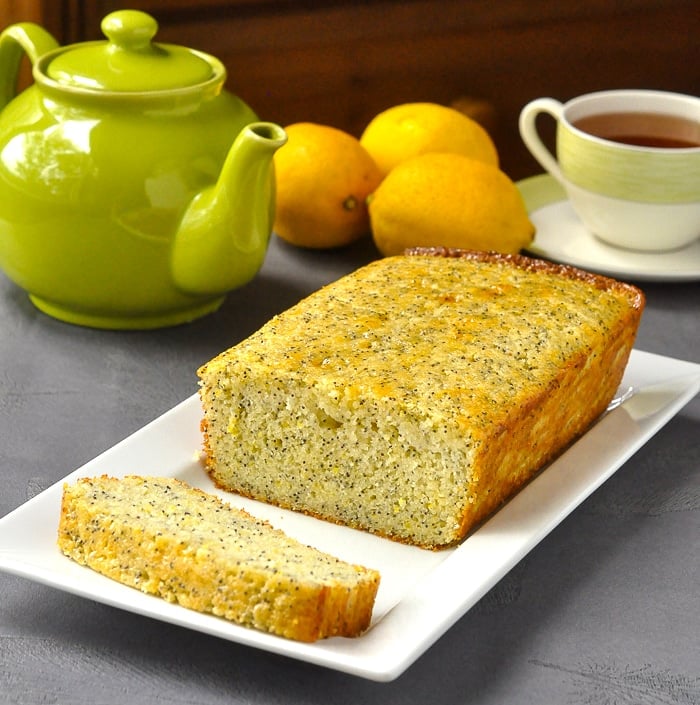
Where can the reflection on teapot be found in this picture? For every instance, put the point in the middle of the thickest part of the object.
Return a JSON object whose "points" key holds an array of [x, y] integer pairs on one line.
{"points": [[135, 192]]}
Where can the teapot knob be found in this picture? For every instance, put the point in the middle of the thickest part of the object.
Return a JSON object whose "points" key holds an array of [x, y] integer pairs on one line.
{"points": [[130, 29]]}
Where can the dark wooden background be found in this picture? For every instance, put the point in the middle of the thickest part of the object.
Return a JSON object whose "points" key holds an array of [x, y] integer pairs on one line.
{"points": [[340, 62]]}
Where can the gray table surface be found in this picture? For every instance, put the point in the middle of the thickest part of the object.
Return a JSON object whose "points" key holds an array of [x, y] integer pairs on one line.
{"points": [[606, 609]]}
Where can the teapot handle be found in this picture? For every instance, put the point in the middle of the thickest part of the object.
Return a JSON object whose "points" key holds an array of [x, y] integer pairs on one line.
{"points": [[21, 38]]}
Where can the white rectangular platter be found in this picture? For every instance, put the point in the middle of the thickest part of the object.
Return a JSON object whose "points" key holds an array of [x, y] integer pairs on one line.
{"points": [[422, 593]]}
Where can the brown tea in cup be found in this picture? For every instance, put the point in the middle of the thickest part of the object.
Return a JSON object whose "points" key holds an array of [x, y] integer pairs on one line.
{"points": [[644, 197], [642, 129]]}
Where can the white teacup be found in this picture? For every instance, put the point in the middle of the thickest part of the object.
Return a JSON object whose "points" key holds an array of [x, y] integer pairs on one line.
{"points": [[629, 161]]}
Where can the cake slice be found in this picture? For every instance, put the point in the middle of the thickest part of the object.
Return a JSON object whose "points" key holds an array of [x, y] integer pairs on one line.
{"points": [[414, 396], [174, 541]]}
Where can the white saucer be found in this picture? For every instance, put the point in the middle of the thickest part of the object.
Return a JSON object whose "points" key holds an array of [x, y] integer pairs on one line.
{"points": [[561, 237]]}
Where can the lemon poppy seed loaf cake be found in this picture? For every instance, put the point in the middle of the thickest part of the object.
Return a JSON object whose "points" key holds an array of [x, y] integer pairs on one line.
{"points": [[169, 539], [412, 397]]}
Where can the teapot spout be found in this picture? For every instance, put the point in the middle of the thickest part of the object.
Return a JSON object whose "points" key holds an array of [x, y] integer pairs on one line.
{"points": [[223, 236]]}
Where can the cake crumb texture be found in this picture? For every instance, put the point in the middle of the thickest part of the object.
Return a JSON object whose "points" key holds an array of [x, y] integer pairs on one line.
{"points": [[412, 397], [165, 538]]}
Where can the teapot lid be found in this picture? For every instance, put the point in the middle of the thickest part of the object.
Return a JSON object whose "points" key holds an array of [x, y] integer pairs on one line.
{"points": [[128, 60]]}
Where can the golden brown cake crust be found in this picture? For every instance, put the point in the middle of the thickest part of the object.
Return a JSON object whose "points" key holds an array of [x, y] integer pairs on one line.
{"points": [[531, 264], [412, 399], [168, 539]]}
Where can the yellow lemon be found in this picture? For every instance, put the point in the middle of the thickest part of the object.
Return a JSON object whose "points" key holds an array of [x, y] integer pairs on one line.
{"points": [[410, 129], [448, 200], [323, 178]]}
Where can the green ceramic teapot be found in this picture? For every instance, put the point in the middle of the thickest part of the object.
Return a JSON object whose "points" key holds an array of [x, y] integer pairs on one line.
{"points": [[135, 192]]}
